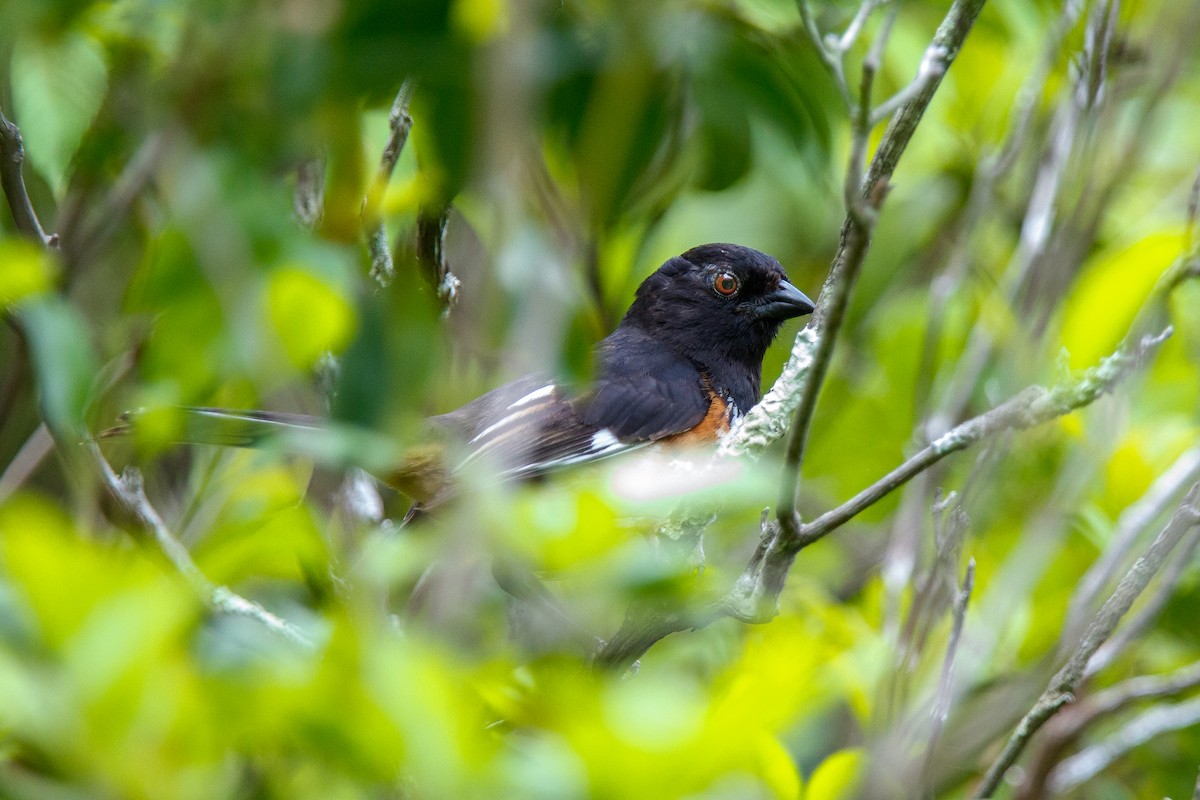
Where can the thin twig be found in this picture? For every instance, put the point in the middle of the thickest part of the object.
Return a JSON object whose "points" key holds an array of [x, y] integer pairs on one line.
{"points": [[12, 180], [1061, 688], [1135, 519], [431, 254], [109, 212], [1088, 763], [127, 489], [856, 25], [35, 449], [945, 691], [400, 122], [831, 59], [1148, 613]]}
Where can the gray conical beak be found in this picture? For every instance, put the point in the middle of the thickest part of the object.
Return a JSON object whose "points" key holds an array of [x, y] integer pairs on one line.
{"points": [[784, 303]]}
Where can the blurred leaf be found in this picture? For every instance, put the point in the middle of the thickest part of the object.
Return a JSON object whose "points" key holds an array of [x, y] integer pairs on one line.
{"points": [[1112, 288], [185, 316], [26, 270], [58, 86], [837, 776], [64, 362], [310, 317], [777, 769], [480, 20]]}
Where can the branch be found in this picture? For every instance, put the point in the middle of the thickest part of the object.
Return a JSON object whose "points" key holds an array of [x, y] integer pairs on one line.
{"points": [[1145, 617], [1031, 407], [399, 124], [830, 57], [754, 597], [767, 421], [12, 180], [128, 491], [1062, 686]]}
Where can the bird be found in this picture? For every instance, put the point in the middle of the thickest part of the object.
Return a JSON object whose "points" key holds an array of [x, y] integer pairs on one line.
{"points": [[682, 366]]}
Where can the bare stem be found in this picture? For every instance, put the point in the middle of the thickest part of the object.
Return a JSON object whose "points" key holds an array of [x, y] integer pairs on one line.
{"points": [[832, 59], [127, 489], [400, 122], [12, 180], [1135, 519], [945, 691], [431, 254]]}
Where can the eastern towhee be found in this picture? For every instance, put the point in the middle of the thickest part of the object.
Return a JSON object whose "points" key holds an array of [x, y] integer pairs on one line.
{"points": [[684, 364]]}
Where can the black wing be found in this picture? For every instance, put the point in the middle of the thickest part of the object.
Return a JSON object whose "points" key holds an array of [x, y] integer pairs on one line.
{"points": [[643, 391], [526, 428], [641, 394]]}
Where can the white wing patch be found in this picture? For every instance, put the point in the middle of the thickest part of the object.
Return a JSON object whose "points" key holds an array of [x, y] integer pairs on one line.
{"points": [[507, 419], [536, 394], [603, 444], [603, 441]]}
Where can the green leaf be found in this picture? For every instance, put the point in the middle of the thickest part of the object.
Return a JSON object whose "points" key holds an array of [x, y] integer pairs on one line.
{"points": [[58, 86], [26, 271], [310, 317], [836, 777], [64, 363]]}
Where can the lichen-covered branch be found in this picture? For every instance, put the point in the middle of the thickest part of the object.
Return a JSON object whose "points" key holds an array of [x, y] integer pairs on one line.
{"points": [[754, 597], [1033, 406], [769, 421], [795, 394]]}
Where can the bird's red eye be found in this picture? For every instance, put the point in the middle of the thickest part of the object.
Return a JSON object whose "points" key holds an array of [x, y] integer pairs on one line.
{"points": [[726, 284]]}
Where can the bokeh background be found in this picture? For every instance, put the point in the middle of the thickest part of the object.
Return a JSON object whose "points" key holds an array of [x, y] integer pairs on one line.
{"points": [[572, 147]]}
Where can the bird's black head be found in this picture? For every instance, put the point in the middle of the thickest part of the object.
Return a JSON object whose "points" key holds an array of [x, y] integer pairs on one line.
{"points": [[718, 301]]}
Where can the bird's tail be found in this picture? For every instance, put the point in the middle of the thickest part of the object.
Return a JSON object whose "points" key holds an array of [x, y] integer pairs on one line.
{"points": [[415, 471], [220, 426]]}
